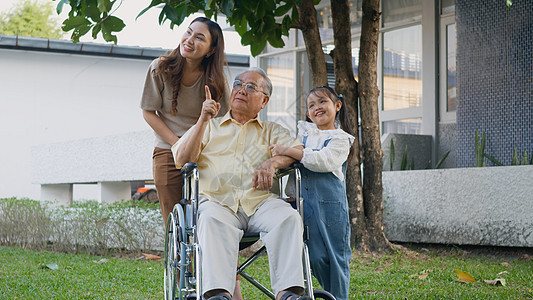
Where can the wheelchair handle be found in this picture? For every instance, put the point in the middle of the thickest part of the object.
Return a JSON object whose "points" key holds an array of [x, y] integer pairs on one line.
{"points": [[187, 169]]}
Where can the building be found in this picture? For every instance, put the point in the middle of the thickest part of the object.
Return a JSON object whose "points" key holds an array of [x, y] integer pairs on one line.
{"points": [[445, 69], [70, 118]]}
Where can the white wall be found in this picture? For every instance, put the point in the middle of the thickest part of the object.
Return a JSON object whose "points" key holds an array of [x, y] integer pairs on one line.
{"points": [[55, 97], [52, 97]]}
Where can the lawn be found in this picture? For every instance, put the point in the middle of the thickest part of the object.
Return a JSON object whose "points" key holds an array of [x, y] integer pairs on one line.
{"points": [[413, 272]]}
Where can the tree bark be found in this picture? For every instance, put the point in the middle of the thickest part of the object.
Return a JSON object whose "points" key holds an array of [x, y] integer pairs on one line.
{"points": [[313, 44], [374, 239], [346, 84]]}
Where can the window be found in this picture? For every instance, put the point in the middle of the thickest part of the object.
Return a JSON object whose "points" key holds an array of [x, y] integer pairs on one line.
{"points": [[405, 126], [451, 69], [282, 105], [401, 11], [402, 68]]}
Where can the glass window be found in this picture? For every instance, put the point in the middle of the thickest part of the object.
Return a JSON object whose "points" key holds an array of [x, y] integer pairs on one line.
{"points": [[402, 68], [451, 78], [405, 126], [325, 23], [282, 105], [401, 11], [447, 6]]}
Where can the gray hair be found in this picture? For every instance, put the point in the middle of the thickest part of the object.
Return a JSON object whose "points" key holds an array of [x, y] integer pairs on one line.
{"points": [[263, 74]]}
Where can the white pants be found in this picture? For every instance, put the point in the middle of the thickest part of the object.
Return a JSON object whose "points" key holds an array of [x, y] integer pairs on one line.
{"points": [[219, 233]]}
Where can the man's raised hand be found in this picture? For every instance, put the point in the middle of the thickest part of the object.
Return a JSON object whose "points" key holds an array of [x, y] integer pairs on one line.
{"points": [[210, 107]]}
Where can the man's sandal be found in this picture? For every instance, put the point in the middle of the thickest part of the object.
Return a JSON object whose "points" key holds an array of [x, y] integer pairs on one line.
{"points": [[220, 296], [292, 296]]}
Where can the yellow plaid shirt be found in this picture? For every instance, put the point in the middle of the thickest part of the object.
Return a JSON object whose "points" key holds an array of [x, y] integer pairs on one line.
{"points": [[230, 153]]}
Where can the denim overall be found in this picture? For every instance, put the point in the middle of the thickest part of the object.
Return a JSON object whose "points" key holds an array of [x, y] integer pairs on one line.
{"points": [[326, 217]]}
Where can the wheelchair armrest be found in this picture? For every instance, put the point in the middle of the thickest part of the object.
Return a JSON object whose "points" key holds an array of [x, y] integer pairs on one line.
{"points": [[288, 170], [187, 169]]}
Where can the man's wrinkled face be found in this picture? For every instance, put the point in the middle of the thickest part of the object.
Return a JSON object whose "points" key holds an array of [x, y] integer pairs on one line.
{"points": [[248, 95]]}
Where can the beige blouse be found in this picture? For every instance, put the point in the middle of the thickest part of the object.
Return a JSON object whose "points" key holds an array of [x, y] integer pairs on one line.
{"points": [[157, 96]]}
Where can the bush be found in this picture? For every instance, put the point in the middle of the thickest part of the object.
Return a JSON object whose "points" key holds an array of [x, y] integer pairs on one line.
{"points": [[89, 226]]}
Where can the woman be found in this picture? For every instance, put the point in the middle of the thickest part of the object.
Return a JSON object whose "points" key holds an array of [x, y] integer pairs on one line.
{"points": [[173, 95]]}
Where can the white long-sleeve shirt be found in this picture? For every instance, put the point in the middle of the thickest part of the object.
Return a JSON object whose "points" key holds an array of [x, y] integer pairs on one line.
{"points": [[330, 158]]}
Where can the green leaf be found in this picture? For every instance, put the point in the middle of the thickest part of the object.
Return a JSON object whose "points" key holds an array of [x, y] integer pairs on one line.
{"points": [[227, 7], [59, 7], [514, 161], [152, 4], [113, 23], [92, 12], [241, 26], [171, 13], [95, 31], [282, 10], [74, 22], [257, 46], [260, 10], [275, 40], [104, 5], [441, 161], [404, 160], [524, 158], [247, 38], [493, 160]]}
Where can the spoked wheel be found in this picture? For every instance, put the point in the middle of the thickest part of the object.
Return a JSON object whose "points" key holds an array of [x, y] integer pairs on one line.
{"points": [[175, 235], [321, 294]]}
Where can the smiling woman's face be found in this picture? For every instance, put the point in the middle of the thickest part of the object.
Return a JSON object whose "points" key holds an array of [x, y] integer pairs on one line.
{"points": [[196, 41]]}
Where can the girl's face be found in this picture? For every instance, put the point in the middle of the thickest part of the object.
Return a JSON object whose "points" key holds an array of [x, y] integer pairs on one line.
{"points": [[196, 41], [322, 110]]}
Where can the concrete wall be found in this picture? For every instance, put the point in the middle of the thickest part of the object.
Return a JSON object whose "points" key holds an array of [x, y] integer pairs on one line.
{"points": [[418, 150], [471, 206]]}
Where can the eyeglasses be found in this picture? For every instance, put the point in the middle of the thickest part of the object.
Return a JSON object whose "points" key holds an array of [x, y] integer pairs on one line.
{"points": [[249, 87]]}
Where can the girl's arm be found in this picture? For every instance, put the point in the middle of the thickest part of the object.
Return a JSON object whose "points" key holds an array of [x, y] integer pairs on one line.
{"points": [[282, 150], [329, 158], [159, 126]]}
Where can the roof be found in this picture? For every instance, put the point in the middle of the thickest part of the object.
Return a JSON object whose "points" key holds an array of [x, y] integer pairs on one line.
{"points": [[82, 48]]}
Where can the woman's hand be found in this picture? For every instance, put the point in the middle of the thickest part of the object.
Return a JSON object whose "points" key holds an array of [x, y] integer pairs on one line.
{"points": [[278, 149], [210, 107]]}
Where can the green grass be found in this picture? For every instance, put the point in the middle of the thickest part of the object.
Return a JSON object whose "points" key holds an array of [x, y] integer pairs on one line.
{"points": [[22, 276]]}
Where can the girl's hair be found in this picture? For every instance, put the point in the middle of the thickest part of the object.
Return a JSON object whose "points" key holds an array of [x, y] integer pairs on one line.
{"points": [[171, 65], [341, 115]]}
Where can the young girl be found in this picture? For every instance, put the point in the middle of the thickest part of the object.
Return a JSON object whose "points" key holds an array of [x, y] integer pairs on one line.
{"points": [[324, 188]]}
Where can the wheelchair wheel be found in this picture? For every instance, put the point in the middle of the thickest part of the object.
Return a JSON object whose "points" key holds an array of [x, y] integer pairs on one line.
{"points": [[321, 294], [175, 235]]}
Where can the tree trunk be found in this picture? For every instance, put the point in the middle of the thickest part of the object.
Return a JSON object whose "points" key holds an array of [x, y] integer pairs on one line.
{"points": [[374, 238], [346, 84], [313, 44]]}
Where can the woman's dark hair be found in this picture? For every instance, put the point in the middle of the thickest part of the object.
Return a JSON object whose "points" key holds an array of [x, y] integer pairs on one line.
{"points": [[331, 94], [171, 65]]}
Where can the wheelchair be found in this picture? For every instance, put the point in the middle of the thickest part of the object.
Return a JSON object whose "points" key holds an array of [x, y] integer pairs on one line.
{"points": [[183, 254]]}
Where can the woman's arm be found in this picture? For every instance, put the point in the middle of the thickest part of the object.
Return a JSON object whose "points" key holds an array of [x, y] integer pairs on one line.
{"points": [[159, 126]]}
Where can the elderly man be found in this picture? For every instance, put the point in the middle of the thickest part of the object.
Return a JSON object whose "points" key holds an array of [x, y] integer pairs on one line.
{"points": [[236, 173]]}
